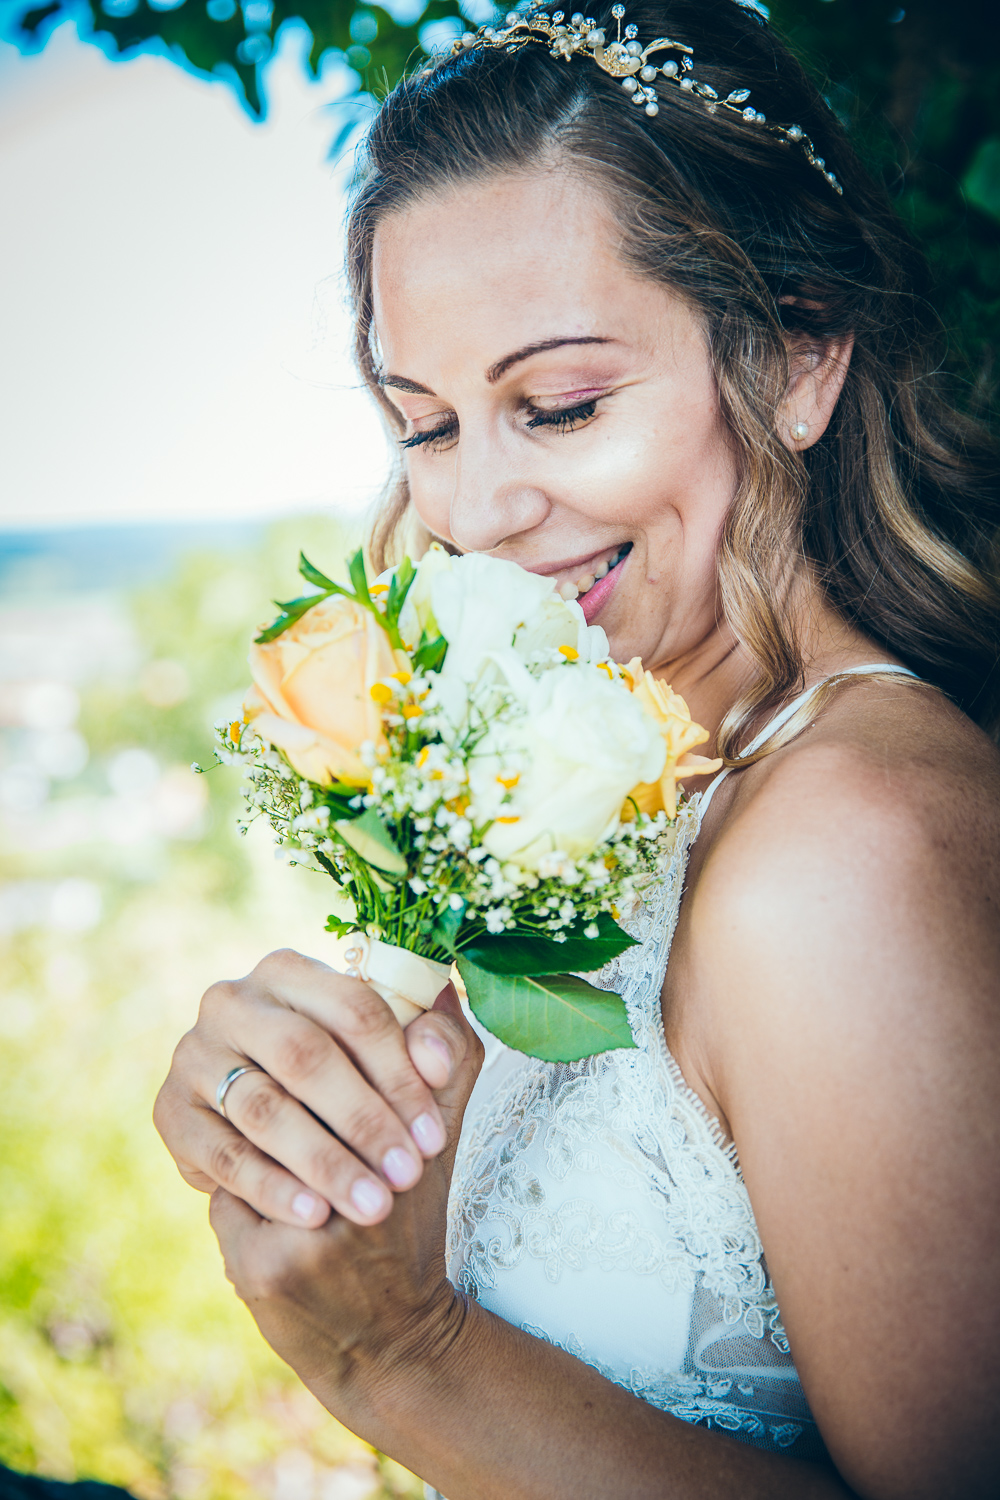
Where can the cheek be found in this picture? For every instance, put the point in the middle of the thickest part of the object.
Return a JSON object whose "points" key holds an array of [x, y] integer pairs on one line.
{"points": [[431, 492]]}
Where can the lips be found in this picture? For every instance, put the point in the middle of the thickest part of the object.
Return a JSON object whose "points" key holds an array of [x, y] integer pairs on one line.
{"points": [[600, 592]]}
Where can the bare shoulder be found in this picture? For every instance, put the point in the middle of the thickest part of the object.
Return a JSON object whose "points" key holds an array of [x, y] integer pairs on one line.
{"points": [[841, 980], [849, 903], [886, 810]]}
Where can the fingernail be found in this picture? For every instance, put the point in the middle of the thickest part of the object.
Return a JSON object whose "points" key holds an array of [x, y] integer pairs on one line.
{"points": [[304, 1205], [400, 1168], [428, 1134], [438, 1046], [368, 1197]]}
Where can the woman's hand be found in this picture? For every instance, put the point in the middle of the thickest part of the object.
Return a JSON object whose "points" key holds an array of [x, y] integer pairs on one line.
{"points": [[349, 1306], [338, 1110]]}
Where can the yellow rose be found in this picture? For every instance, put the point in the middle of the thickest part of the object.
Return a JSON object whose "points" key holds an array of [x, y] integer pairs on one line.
{"points": [[670, 713], [312, 693]]}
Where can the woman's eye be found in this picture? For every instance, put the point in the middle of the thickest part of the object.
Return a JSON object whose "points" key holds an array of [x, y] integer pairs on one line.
{"points": [[435, 435], [563, 418]]}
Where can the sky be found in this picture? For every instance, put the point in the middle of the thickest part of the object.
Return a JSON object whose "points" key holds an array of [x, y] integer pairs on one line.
{"points": [[173, 336]]}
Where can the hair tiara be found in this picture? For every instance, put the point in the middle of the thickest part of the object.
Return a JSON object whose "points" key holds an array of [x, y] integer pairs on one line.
{"points": [[627, 59]]}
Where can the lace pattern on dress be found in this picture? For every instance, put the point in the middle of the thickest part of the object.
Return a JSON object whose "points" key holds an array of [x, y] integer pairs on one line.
{"points": [[585, 1192]]}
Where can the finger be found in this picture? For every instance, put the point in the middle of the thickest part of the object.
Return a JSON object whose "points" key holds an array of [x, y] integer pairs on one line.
{"points": [[210, 1153], [271, 1119], [232, 1223], [451, 1022], [439, 1040], [365, 1029], [314, 1068]]}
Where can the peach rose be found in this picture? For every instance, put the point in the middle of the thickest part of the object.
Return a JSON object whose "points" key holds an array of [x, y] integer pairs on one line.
{"points": [[669, 711], [312, 691]]}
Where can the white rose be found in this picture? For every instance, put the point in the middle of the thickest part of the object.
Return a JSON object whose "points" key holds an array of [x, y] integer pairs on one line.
{"points": [[569, 760], [560, 624], [479, 602]]}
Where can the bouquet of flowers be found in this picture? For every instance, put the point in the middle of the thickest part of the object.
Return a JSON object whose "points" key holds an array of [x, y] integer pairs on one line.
{"points": [[454, 747]]}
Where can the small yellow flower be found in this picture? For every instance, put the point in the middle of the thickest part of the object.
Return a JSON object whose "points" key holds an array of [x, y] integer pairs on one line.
{"points": [[235, 730], [379, 588], [507, 820], [401, 677], [603, 666], [412, 711], [570, 653], [509, 782], [381, 692]]}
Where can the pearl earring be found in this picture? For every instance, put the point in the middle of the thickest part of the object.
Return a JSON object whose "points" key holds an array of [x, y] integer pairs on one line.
{"points": [[799, 430]]}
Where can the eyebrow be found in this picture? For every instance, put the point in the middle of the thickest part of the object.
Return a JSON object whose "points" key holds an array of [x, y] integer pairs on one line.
{"points": [[497, 371]]}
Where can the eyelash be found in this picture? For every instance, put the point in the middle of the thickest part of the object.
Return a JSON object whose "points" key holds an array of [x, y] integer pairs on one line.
{"points": [[565, 419]]}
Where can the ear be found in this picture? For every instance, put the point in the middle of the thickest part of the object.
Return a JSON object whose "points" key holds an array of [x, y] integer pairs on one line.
{"points": [[817, 371]]}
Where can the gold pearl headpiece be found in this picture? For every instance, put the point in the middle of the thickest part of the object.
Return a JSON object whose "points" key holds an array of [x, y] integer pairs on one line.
{"points": [[627, 59]]}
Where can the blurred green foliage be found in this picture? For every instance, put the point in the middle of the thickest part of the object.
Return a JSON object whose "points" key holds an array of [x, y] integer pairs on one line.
{"points": [[918, 87], [124, 1354]]}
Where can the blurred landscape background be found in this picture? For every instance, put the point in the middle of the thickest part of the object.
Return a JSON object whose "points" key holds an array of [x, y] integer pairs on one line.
{"points": [[178, 416]]}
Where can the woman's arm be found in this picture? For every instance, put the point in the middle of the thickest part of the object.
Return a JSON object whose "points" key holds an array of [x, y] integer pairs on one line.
{"points": [[842, 956], [481, 1409]]}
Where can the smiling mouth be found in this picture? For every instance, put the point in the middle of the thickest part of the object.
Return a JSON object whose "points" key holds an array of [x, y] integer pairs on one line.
{"points": [[581, 587], [593, 589]]}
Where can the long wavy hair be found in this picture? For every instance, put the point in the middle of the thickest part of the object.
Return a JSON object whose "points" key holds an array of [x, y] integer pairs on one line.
{"points": [[895, 510]]}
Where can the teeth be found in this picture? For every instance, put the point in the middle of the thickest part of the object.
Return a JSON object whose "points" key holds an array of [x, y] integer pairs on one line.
{"points": [[586, 583]]}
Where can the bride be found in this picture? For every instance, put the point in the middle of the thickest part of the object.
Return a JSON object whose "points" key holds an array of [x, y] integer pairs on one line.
{"points": [[666, 343]]}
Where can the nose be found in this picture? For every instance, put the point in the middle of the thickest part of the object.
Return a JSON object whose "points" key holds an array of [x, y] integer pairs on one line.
{"points": [[494, 497]]}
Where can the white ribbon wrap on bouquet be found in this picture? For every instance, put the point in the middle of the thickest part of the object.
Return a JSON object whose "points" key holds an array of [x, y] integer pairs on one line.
{"points": [[407, 983]]}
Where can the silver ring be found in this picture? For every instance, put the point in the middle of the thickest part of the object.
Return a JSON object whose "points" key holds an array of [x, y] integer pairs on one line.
{"points": [[227, 1083]]}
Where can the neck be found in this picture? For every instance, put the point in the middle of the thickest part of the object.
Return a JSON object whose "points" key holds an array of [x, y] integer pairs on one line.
{"points": [[716, 673]]}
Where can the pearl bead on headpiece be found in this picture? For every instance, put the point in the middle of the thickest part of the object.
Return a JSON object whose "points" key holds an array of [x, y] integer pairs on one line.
{"points": [[626, 58]]}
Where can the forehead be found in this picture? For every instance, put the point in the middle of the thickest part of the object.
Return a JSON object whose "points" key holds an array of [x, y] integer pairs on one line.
{"points": [[491, 265]]}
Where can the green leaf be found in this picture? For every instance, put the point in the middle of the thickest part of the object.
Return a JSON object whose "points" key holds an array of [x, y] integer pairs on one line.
{"points": [[335, 925], [445, 929], [529, 953], [359, 578], [300, 605], [430, 654], [399, 587], [369, 837], [329, 867], [338, 799], [312, 574], [554, 1016], [281, 624]]}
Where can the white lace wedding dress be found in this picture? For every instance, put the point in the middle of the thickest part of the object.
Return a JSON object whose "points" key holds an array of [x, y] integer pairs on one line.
{"points": [[597, 1206]]}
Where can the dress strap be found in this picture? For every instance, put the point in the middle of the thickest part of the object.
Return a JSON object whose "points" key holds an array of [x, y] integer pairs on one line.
{"points": [[783, 715]]}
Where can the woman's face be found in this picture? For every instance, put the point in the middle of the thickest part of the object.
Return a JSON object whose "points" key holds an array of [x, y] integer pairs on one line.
{"points": [[561, 412]]}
